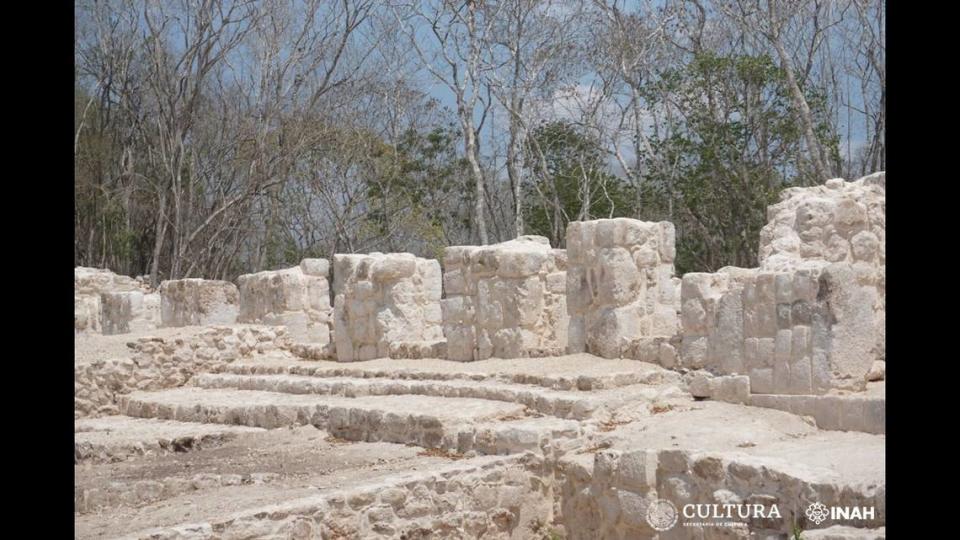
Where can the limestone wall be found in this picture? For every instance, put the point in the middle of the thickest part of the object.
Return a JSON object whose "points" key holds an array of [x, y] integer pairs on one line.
{"points": [[198, 302], [812, 317], [620, 287], [298, 298], [98, 280], [836, 222], [155, 363], [505, 300], [799, 332], [88, 286], [131, 311], [385, 304]]}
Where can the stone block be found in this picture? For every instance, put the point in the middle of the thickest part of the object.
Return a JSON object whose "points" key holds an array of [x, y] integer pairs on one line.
{"points": [[388, 304], [298, 298], [517, 292], [198, 302], [132, 311]]}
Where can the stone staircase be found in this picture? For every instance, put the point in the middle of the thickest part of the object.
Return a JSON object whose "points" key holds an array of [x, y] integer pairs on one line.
{"points": [[478, 447]]}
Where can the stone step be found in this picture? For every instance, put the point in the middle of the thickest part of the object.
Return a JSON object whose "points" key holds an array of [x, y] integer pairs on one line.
{"points": [[488, 496], [864, 412], [572, 372], [608, 487], [455, 424], [562, 404], [684, 456], [116, 438]]}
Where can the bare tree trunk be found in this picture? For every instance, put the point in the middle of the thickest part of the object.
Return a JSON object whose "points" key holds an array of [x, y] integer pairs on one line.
{"points": [[158, 241], [513, 172], [800, 103], [478, 208]]}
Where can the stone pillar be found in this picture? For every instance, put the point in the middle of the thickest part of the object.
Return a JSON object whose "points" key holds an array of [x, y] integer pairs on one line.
{"points": [[198, 302], [505, 300], [386, 305], [131, 311], [298, 298], [620, 287]]}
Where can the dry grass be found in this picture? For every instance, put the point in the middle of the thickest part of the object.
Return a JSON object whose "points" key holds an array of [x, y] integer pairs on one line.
{"points": [[439, 452], [659, 408], [596, 448], [332, 439], [612, 424]]}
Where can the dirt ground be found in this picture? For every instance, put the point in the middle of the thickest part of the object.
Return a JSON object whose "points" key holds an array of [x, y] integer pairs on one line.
{"points": [[275, 466]]}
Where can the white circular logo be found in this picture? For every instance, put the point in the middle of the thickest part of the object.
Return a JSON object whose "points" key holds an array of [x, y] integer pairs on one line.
{"points": [[817, 512], [662, 514]]}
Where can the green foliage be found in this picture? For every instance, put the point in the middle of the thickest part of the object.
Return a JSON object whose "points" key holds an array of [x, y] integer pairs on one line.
{"points": [[728, 159], [570, 181]]}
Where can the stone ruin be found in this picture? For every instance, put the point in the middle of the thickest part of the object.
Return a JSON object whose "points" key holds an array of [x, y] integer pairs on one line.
{"points": [[297, 298], [836, 222], [386, 306], [520, 392], [108, 303], [198, 302], [506, 300], [621, 293], [811, 318]]}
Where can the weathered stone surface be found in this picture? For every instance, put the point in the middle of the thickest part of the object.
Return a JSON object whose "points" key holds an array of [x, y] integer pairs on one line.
{"points": [[811, 318], [851, 412], [114, 438], [298, 298], [97, 280], [843, 532], [620, 285], [86, 313], [505, 300], [835, 222], [488, 497], [878, 371], [125, 312], [382, 301], [198, 302], [839, 222], [88, 286], [156, 363]]}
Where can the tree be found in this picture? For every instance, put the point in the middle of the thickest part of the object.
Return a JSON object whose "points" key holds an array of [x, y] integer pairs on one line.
{"points": [[459, 34], [735, 150], [568, 167]]}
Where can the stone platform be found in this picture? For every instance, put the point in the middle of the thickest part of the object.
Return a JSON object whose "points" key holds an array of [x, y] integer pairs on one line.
{"points": [[269, 445]]}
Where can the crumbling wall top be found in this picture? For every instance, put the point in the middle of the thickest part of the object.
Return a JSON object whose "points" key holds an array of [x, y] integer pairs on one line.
{"points": [[838, 221]]}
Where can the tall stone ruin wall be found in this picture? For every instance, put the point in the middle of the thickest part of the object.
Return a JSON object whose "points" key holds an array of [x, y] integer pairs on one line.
{"points": [[621, 293], [297, 298], [812, 317], [505, 300], [800, 332], [836, 222], [809, 319], [386, 305]]}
